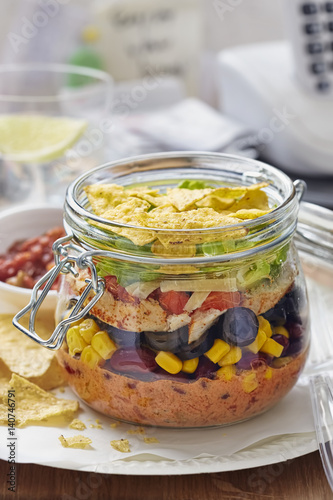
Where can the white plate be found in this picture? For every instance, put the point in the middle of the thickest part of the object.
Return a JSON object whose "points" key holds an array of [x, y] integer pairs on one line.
{"points": [[269, 451]]}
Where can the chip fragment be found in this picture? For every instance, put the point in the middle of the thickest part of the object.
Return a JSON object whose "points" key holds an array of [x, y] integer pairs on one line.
{"points": [[150, 440], [77, 424], [80, 442], [121, 445]]}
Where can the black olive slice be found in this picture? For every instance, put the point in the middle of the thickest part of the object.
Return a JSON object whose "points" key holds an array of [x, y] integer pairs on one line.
{"points": [[238, 326], [167, 341], [197, 348]]}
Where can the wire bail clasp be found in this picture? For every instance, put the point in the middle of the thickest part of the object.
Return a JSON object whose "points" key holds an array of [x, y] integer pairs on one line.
{"points": [[64, 265]]}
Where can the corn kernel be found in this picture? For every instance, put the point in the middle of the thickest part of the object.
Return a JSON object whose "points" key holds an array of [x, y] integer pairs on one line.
{"points": [[279, 363], [250, 382], [169, 362], [74, 340], [258, 342], [232, 357], [226, 372], [190, 365], [265, 325], [219, 349], [272, 348], [88, 328], [268, 373], [102, 344], [281, 330], [90, 357]]}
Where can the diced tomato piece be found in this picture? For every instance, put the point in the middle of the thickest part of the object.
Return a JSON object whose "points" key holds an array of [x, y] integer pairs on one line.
{"points": [[173, 302], [221, 301], [118, 291], [111, 285]]}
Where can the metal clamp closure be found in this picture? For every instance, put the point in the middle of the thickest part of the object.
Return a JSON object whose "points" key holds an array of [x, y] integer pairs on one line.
{"points": [[64, 265]]}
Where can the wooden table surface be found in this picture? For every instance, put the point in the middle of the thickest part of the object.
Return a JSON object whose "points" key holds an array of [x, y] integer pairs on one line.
{"points": [[299, 479]]}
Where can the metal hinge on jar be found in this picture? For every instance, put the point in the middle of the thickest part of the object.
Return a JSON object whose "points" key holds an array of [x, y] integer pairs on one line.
{"points": [[64, 264]]}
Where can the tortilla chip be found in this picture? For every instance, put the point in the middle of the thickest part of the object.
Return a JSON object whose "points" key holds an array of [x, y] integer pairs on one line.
{"points": [[250, 213], [80, 442], [102, 197], [33, 405], [173, 250], [121, 445], [229, 192], [77, 424], [150, 440], [179, 209], [253, 199], [216, 203], [183, 199], [25, 357]]}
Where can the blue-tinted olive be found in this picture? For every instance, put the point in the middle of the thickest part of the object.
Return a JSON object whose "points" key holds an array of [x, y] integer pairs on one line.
{"points": [[277, 316], [197, 348], [238, 326], [167, 341]]}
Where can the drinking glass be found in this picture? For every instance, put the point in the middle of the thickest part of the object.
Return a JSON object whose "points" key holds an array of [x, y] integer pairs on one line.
{"points": [[53, 125]]}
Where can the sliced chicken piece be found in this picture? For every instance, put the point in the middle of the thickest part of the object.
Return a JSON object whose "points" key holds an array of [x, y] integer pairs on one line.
{"points": [[201, 321]]}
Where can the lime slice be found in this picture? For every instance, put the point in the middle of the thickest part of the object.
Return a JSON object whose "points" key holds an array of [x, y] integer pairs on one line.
{"points": [[36, 139]]}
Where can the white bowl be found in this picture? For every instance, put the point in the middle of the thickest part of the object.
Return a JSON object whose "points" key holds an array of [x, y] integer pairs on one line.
{"points": [[19, 224]]}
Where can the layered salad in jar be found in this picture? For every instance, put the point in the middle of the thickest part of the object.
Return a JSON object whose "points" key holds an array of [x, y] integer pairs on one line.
{"points": [[208, 323]]}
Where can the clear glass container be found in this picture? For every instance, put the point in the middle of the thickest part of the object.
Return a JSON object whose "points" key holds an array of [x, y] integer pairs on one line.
{"points": [[212, 333], [41, 169]]}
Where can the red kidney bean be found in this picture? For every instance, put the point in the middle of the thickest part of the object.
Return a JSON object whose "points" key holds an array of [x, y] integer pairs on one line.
{"points": [[132, 361], [295, 330], [250, 360], [295, 347], [206, 368]]}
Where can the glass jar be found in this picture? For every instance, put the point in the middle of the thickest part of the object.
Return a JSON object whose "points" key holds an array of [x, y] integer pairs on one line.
{"points": [[212, 333]]}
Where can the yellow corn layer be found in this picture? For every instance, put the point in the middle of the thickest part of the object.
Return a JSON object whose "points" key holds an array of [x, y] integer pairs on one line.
{"points": [[102, 344], [281, 330], [88, 328], [219, 349], [75, 342], [265, 326], [279, 363], [90, 357], [272, 348], [268, 373], [233, 356], [169, 362], [226, 372], [258, 342], [190, 365], [250, 382]]}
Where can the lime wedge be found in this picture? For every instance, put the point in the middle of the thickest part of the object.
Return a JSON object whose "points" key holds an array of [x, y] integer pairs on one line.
{"points": [[37, 139]]}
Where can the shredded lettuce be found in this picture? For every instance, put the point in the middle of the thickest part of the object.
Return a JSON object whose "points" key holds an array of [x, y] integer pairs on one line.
{"points": [[126, 273], [187, 184], [249, 276]]}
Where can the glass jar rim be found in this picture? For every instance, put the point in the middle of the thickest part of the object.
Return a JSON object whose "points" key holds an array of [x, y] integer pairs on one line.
{"points": [[97, 74], [74, 207]]}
